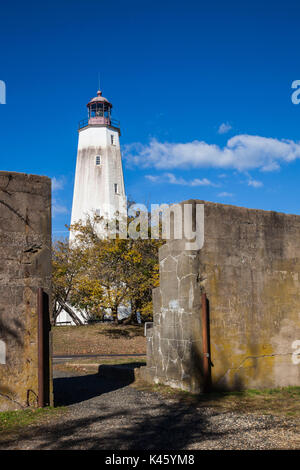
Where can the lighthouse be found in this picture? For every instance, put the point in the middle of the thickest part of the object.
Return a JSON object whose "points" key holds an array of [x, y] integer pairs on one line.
{"points": [[99, 183]]}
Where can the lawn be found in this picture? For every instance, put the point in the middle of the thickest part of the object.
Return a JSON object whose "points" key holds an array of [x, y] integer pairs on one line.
{"points": [[91, 365], [100, 338], [278, 401], [11, 421]]}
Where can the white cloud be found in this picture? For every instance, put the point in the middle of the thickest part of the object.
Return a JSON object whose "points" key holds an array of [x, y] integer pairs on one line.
{"points": [[225, 194], [224, 128], [57, 183], [255, 184], [57, 208], [152, 178], [242, 152], [172, 179]]}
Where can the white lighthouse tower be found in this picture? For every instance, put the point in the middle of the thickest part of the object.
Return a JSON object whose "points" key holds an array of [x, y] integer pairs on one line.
{"points": [[99, 183]]}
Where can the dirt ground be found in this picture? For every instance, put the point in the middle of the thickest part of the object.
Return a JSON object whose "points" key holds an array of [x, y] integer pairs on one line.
{"points": [[98, 339], [98, 412], [107, 414]]}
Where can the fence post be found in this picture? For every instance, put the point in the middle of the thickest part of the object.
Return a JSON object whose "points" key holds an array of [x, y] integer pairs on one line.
{"points": [[40, 309], [205, 345]]}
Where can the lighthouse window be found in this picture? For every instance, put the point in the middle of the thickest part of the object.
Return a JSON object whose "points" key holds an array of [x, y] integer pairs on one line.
{"points": [[116, 188], [99, 110], [98, 159], [113, 139]]}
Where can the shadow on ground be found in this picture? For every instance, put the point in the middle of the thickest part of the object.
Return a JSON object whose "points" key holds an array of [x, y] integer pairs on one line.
{"points": [[69, 390], [122, 332], [120, 417]]}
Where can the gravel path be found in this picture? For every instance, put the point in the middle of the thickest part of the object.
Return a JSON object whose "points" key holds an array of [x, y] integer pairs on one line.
{"points": [[105, 414]]}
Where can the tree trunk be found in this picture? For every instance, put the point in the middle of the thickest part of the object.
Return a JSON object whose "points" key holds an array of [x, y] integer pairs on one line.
{"points": [[114, 312], [71, 312], [130, 319]]}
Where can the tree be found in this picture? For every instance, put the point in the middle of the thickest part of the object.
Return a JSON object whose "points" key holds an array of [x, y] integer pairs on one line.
{"points": [[99, 274], [67, 266]]}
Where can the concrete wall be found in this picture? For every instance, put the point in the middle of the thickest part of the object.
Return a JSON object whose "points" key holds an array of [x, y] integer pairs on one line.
{"points": [[249, 268], [25, 247]]}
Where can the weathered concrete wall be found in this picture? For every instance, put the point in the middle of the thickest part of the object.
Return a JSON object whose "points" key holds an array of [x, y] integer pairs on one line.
{"points": [[25, 247], [249, 268]]}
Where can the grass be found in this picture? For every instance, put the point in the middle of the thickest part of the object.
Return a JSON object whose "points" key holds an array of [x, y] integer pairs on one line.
{"points": [[99, 338], [116, 339], [14, 420], [108, 360], [277, 401], [116, 331], [92, 364]]}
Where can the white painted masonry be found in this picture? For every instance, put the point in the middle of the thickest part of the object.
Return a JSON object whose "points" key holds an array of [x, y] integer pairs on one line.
{"points": [[95, 184]]}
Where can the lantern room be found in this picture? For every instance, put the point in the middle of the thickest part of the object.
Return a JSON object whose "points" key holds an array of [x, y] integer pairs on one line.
{"points": [[99, 110]]}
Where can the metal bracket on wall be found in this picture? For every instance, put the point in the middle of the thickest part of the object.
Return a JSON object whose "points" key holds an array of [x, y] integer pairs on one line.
{"points": [[146, 326], [2, 352]]}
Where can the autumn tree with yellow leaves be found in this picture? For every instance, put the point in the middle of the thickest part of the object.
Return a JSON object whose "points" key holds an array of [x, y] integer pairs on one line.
{"points": [[97, 274]]}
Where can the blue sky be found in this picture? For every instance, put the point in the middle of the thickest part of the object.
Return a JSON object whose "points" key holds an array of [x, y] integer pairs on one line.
{"points": [[202, 90]]}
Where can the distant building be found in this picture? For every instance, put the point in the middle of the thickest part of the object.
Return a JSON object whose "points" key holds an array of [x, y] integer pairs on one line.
{"points": [[99, 183]]}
